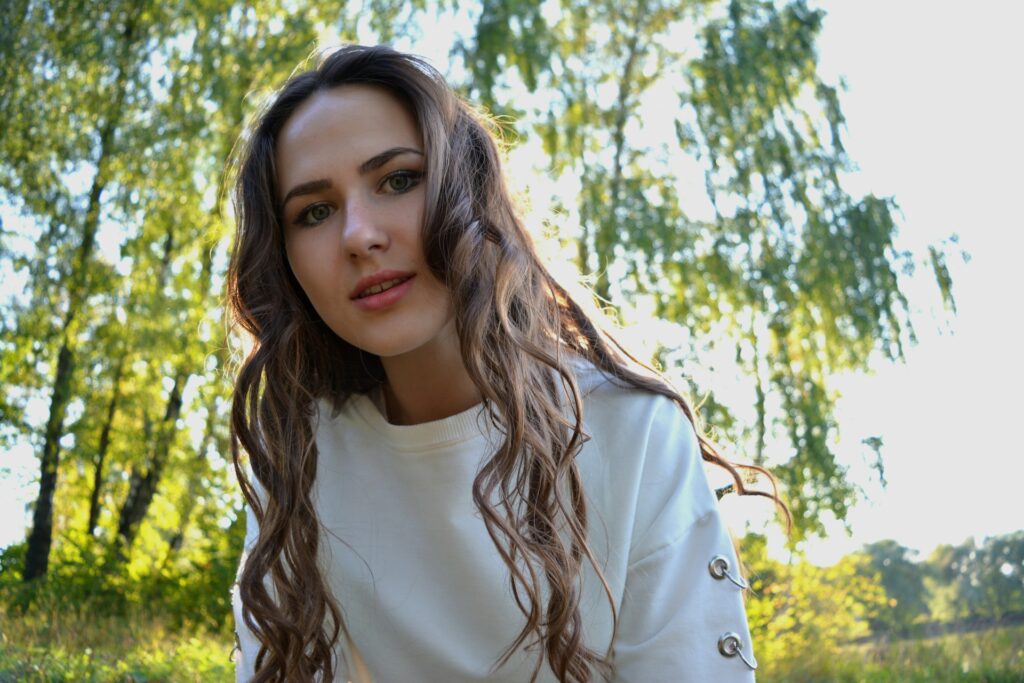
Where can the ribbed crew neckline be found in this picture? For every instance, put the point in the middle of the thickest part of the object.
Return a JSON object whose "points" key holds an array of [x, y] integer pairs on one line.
{"points": [[365, 411], [425, 436]]}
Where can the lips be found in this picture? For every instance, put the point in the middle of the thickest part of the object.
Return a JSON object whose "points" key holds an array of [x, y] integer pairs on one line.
{"points": [[378, 282], [385, 299], [382, 287]]}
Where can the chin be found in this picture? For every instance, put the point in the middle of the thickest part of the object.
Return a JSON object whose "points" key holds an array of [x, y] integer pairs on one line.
{"points": [[390, 348], [433, 338]]}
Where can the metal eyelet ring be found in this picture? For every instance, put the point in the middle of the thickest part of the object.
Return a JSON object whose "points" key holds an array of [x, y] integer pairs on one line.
{"points": [[719, 568], [730, 645]]}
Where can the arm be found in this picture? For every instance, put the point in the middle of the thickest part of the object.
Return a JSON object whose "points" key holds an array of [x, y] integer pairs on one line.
{"points": [[674, 612], [247, 643]]}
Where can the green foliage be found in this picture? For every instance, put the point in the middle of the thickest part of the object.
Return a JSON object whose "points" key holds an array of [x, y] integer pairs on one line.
{"points": [[118, 183], [54, 640], [805, 619], [798, 611], [509, 33], [12, 560], [85, 623], [985, 580], [126, 344], [809, 273], [800, 277], [904, 585], [187, 592]]}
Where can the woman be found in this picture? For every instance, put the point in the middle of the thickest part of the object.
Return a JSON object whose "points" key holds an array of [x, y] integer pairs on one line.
{"points": [[455, 474]]}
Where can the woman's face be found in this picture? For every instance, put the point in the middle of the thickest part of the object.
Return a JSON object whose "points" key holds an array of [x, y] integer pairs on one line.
{"points": [[350, 164]]}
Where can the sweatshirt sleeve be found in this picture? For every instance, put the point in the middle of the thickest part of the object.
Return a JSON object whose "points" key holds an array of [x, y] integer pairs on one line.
{"points": [[677, 621], [245, 641]]}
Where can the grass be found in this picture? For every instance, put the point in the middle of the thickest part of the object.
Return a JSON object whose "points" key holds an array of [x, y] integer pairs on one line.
{"points": [[995, 655], [54, 643], [48, 643]]}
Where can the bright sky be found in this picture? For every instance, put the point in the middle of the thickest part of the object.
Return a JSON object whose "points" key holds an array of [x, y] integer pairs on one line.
{"points": [[934, 115]]}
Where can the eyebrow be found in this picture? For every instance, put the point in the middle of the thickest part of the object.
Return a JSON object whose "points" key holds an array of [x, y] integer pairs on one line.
{"points": [[371, 164]]}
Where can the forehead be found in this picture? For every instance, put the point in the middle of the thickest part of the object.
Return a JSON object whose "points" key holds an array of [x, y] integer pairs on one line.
{"points": [[342, 127]]}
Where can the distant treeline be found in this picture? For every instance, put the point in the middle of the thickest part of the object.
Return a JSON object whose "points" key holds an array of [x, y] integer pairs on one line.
{"points": [[799, 610], [966, 586], [934, 629]]}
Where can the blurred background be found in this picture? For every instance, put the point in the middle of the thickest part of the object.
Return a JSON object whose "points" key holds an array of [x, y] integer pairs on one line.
{"points": [[805, 212]]}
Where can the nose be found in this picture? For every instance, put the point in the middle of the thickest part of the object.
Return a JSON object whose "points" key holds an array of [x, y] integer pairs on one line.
{"points": [[362, 233]]}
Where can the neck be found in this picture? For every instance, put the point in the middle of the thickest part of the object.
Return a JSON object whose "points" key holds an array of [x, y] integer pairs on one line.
{"points": [[430, 383]]}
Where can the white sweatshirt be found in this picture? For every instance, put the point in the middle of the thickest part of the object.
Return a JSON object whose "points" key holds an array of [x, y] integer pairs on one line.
{"points": [[425, 594]]}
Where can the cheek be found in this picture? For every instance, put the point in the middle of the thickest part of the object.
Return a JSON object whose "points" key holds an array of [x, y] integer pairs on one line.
{"points": [[309, 263], [404, 220]]}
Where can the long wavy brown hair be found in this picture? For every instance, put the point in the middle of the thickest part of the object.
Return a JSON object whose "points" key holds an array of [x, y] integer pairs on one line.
{"points": [[517, 328]]}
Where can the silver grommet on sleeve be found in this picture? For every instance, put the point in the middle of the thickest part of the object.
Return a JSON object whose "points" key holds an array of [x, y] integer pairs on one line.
{"points": [[719, 568], [730, 645]]}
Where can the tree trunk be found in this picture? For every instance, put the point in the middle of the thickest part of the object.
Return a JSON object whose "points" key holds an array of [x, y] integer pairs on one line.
{"points": [[101, 450], [194, 487], [143, 484], [37, 555]]}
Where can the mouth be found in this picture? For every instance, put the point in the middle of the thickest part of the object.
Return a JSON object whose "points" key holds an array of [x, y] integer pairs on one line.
{"points": [[382, 287]]}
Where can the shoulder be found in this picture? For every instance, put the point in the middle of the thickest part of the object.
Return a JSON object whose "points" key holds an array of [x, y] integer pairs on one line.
{"points": [[643, 460], [617, 412]]}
